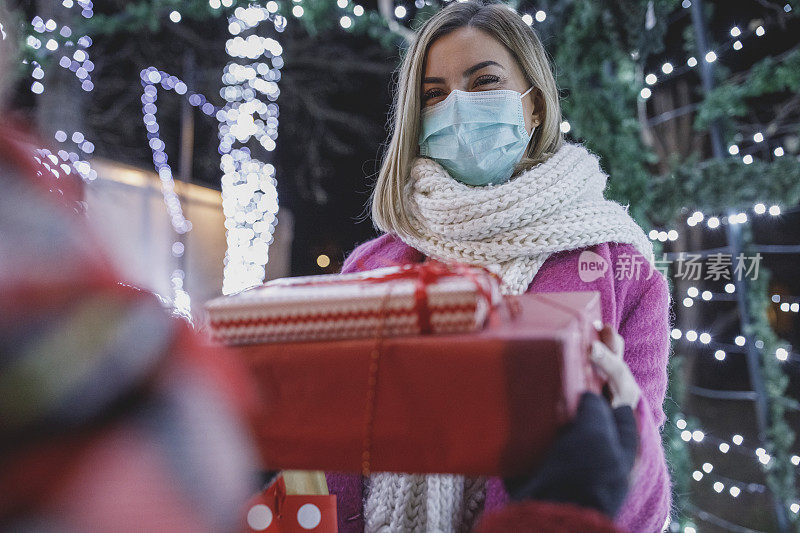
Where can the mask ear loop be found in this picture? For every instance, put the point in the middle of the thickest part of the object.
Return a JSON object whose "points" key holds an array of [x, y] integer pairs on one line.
{"points": [[523, 96]]}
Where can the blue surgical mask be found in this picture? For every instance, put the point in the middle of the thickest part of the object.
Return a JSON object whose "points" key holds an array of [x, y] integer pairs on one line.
{"points": [[477, 137]]}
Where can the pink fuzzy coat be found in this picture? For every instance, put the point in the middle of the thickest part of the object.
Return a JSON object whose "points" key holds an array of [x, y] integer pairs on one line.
{"points": [[637, 305]]}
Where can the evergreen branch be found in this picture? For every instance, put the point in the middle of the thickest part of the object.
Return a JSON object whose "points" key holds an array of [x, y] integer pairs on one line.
{"points": [[719, 185], [779, 471], [770, 75]]}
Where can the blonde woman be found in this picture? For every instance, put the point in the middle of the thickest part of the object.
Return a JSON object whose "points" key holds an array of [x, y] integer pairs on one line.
{"points": [[477, 171]]}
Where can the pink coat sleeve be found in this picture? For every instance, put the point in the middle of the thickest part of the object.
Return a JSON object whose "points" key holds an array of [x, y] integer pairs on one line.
{"points": [[645, 327], [383, 251]]}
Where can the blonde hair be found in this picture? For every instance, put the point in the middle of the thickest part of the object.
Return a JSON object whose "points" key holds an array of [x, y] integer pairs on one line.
{"points": [[389, 209]]}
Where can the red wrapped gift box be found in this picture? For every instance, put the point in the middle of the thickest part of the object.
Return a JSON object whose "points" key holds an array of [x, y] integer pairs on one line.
{"points": [[484, 403]]}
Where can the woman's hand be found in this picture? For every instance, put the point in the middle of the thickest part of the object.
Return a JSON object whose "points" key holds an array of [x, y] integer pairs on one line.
{"points": [[607, 357]]}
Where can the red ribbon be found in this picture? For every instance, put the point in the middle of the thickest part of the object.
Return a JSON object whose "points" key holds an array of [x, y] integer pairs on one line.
{"points": [[276, 494]]}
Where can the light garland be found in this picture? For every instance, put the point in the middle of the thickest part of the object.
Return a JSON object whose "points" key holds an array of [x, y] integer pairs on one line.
{"points": [[49, 41], [723, 446], [249, 194], [713, 222], [786, 304], [671, 72], [151, 79], [782, 353], [47, 38], [734, 42]]}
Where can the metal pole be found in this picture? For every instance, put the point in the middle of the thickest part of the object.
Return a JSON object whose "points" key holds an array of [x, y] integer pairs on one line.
{"points": [[752, 354], [186, 155], [734, 234], [706, 72], [187, 121]]}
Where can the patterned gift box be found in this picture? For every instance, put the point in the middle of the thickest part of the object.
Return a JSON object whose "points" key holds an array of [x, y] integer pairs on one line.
{"points": [[422, 298]]}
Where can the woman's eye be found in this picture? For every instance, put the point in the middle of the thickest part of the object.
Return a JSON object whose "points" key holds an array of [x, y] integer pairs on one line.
{"points": [[433, 93], [485, 80]]}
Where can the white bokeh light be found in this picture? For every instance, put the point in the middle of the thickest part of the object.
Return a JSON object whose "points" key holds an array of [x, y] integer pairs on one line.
{"points": [[250, 115]]}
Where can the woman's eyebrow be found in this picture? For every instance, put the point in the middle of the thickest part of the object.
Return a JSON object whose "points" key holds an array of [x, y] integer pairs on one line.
{"points": [[475, 68], [467, 73]]}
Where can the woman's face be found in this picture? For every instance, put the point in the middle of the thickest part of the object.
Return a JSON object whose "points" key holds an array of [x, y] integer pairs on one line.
{"points": [[469, 59]]}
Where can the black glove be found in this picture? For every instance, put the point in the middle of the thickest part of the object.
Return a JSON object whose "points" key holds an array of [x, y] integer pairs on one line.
{"points": [[589, 463]]}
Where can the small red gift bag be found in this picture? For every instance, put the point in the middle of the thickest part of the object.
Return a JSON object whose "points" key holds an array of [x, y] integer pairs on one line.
{"points": [[275, 511]]}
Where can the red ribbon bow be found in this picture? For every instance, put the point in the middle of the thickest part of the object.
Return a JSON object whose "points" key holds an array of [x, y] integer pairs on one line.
{"points": [[430, 272]]}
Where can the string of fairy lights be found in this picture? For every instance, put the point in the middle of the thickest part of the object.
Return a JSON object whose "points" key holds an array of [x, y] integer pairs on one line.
{"points": [[734, 42], [705, 339], [249, 193], [720, 483], [693, 294], [706, 473], [250, 89], [787, 303], [48, 38], [757, 29], [714, 222], [151, 79]]}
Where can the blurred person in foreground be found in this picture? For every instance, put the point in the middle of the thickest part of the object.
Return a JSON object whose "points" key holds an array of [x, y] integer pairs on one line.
{"points": [[113, 416]]}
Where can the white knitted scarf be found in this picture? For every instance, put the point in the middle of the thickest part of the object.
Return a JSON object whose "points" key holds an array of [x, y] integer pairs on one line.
{"points": [[511, 228]]}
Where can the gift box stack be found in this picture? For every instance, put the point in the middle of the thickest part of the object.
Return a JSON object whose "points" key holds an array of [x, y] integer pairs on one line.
{"points": [[420, 368]]}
